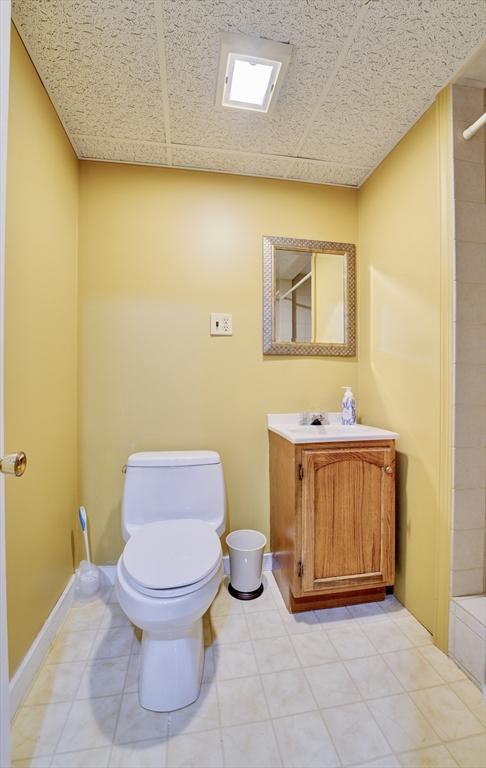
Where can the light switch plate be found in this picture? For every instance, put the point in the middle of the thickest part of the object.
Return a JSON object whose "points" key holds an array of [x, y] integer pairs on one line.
{"points": [[221, 324]]}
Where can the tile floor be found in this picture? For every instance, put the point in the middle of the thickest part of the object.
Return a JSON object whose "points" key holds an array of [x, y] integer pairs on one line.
{"points": [[362, 686]]}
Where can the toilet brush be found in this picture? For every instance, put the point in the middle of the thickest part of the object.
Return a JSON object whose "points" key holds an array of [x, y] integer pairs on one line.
{"points": [[88, 574], [83, 519]]}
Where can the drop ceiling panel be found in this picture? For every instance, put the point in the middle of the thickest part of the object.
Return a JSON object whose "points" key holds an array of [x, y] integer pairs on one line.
{"points": [[403, 54], [120, 150], [229, 162], [325, 173], [135, 80], [264, 165], [99, 62], [191, 31]]}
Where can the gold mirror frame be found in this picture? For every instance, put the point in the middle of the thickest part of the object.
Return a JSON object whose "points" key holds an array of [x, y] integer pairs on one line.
{"points": [[272, 347]]}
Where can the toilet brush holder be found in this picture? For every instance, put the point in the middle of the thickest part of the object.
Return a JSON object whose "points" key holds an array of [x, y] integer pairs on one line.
{"points": [[245, 549], [88, 580]]}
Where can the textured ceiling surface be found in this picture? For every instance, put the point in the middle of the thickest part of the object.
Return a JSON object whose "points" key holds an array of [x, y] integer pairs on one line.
{"points": [[135, 80]]}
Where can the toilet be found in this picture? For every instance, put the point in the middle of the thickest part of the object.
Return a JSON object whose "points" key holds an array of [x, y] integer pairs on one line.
{"points": [[173, 513]]}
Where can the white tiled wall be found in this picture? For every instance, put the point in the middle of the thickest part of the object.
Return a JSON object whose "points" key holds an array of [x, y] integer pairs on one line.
{"points": [[469, 441], [467, 641]]}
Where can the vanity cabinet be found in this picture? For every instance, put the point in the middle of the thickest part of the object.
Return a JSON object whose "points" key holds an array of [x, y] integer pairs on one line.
{"points": [[332, 521]]}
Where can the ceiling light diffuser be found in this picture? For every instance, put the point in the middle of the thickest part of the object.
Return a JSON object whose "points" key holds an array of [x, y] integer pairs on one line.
{"points": [[251, 71]]}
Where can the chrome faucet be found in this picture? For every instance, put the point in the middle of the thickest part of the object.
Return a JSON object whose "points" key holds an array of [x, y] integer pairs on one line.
{"points": [[316, 419]]}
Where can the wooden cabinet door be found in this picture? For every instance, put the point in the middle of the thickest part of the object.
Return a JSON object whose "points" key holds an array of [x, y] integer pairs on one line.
{"points": [[348, 499]]}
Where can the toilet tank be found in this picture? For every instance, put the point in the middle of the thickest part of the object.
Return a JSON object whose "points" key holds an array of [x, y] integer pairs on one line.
{"points": [[166, 485]]}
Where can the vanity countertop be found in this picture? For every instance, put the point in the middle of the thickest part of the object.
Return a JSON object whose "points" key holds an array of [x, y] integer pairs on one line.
{"points": [[290, 427]]}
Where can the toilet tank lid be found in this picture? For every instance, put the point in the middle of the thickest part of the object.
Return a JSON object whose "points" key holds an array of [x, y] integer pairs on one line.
{"points": [[173, 458]]}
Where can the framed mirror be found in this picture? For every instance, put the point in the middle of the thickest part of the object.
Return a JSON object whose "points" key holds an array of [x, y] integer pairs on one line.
{"points": [[309, 297]]}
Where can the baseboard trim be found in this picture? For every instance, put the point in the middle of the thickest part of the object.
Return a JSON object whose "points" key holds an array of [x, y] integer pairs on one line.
{"points": [[24, 676], [109, 571]]}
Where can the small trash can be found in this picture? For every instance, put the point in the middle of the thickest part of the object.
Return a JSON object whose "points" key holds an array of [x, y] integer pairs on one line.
{"points": [[246, 563]]}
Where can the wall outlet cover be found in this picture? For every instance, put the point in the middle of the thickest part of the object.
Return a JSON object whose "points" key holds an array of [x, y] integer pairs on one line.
{"points": [[221, 324]]}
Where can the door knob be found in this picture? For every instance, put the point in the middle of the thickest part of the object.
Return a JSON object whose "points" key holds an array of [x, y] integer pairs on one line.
{"points": [[388, 470], [13, 464]]}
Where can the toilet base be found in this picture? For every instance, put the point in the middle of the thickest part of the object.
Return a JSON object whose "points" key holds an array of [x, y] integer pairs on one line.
{"points": [[171, 668], [245, 595]]}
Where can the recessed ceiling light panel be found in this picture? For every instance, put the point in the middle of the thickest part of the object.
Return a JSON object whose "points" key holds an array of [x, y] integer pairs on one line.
{"points": [[251, 72]]}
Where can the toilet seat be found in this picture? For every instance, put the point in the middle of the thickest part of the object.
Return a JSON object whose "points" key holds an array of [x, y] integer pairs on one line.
{"points": [[171, 558]]}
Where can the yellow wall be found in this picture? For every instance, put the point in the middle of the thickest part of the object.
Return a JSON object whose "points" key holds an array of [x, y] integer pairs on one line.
{"points": [[40, 353], [159, 250], [404, 311]]}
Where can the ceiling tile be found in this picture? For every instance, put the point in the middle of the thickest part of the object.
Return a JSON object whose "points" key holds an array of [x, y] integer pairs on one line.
{"points": [[403, 54], [324, 173], [99, 61], [229, 162], [192, 40], [99, 148], [135, 80]]}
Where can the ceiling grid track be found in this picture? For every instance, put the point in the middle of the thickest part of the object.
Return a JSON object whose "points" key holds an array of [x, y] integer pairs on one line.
{"points": [[133, 80], [203, 169], [159, 16], [45, 86], [227, 151], [362, 13]]}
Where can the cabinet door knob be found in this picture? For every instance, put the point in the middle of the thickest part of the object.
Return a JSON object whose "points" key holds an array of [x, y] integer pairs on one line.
{"points": [[388, 470]]}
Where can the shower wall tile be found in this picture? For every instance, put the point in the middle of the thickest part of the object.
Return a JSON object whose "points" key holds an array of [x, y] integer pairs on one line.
{"points": [[468, 549], [469, 425], [473, 150], [470, 651], [470, 385], [469, 505], [470, 345], [470, 303], [471, 262], [467, 103], [470, 220], [467, 635], [468, 468], [468, 554], [469, 181], [467, 582]]}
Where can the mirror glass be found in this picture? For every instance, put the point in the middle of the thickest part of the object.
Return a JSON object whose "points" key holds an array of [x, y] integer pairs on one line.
{"points": [[309, 297]]}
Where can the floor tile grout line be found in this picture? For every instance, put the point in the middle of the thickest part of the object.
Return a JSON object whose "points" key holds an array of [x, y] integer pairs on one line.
{"points": [[117, 718], [210, 683], [384, 735], [264, 696], [45, 664], [424, 714], [293, 639], [275, 735], [381, 696], [58, 741], [300, 668], [88, 661], [214, 682]]}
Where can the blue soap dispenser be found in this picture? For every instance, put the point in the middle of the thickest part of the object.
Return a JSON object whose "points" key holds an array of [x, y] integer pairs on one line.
{"points": [[348, 407]]}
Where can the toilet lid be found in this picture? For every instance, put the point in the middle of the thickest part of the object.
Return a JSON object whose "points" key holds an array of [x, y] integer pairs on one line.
{"points": [[171, 553]]}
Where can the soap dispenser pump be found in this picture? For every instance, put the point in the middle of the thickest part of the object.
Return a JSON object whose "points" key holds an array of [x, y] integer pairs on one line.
{"points": [[348, 407]]}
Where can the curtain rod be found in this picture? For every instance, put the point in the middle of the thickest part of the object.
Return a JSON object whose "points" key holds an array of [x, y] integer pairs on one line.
{"points": [[474, 128]]}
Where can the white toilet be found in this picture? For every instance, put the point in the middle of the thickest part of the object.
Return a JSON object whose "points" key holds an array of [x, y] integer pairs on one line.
{"points": [[173, 513]]}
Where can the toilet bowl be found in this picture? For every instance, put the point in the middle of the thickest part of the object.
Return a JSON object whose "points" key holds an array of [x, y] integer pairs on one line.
{"points": [[167, 577], [170, 571]]}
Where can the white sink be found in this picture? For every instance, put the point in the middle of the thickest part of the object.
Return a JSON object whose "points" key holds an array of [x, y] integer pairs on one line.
{"points": [[288, 426]]}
